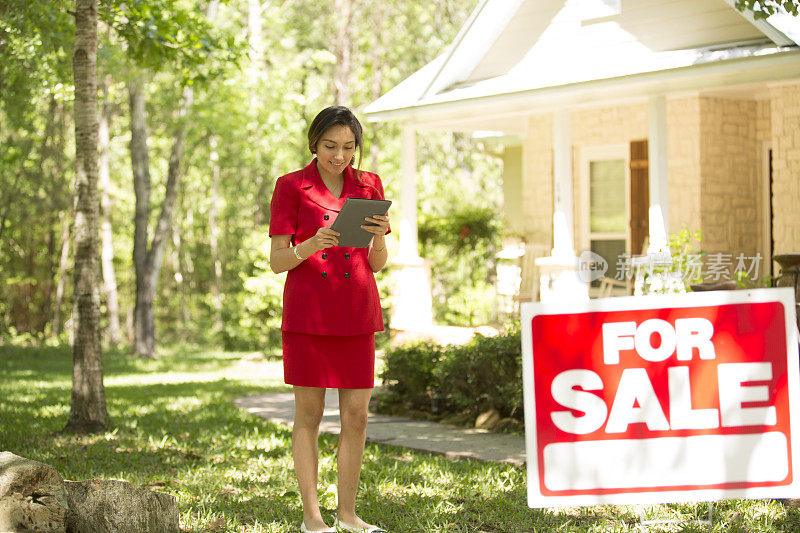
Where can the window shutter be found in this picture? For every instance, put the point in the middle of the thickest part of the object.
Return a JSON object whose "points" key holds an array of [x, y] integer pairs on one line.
{"points": [[640, 196]]}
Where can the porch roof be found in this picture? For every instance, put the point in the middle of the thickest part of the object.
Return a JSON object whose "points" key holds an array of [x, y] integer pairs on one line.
{"points": [[521, 54]]}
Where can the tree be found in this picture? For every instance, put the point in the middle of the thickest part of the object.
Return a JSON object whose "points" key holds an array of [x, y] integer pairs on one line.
{"points": [[88, 411], [151, 52], [765, 8]]}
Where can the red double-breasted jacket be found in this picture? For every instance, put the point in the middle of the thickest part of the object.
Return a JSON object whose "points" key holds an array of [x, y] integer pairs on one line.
{"points": [[333, 292]]}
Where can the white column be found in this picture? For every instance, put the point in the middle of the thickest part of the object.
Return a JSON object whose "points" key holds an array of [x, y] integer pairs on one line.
{"points": [[412, 306], [409, 251], [658, 179], [559, 279], [563, 241]]}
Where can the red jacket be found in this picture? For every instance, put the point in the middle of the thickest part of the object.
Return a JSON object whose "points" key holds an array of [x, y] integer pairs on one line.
{"points": [[333, 292]]}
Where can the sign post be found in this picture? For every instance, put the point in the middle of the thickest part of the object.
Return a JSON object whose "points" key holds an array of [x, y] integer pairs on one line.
{"points": [[656, 399]]}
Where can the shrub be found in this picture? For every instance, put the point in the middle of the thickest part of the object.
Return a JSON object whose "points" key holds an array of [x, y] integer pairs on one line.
{"points": [[485, 373], [409, 375]]}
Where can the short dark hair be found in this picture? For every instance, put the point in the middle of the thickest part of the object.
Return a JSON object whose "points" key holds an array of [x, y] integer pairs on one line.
{"points": [[335, 115]]}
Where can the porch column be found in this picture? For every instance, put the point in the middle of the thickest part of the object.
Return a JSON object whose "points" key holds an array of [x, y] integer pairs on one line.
{"points": [[408, 195], [659, 191], [411, 295], [563, 240], [559, 279]]}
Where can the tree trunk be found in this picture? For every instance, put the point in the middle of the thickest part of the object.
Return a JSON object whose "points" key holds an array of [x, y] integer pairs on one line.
{"points": [[341, 49], [255, 71], [47, 280], [148, 262], [376, 55], [216, 288], [107, 254], [88, 411], [257, 79], [177, 269], [63, 264], [141, 184]]}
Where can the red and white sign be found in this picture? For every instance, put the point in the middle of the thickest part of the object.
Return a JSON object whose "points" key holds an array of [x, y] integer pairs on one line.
{"points": [[663, 398]]}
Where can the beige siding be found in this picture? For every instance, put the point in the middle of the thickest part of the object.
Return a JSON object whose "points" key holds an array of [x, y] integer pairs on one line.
{"points": [[785, 120]]}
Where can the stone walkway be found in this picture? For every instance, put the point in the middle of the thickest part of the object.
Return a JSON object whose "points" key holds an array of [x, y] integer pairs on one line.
{"points": [[450, 441]]}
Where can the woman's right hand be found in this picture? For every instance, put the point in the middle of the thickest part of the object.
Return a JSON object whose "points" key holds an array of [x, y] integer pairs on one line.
{"points": [[324, 238]]}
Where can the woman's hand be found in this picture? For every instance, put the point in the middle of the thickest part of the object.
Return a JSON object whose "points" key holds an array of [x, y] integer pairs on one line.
{"points": [[382, 226], [324, 238]]}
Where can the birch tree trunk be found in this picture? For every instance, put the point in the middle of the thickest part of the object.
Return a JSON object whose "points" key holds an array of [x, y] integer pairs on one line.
{"points": [[107, 235], [88, 411]]}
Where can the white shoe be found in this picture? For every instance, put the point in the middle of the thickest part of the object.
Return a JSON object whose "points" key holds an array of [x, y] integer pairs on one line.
{"points": [[304, 529], [369, 529]]}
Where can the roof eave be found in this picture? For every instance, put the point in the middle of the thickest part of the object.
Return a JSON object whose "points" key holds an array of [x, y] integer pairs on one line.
{"points": [[728, 72]]}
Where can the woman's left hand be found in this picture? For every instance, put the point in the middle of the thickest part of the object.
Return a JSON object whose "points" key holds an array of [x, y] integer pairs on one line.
{"points": [[382, 226]]}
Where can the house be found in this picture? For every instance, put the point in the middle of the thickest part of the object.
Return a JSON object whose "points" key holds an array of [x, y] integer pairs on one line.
{"points": [[622, 121]]}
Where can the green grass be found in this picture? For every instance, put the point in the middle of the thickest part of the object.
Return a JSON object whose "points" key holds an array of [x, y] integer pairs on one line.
{"points": [[175, 428]]}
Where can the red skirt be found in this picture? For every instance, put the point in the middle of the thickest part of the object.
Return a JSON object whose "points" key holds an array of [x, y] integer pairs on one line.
{"points": [[329, 361]]}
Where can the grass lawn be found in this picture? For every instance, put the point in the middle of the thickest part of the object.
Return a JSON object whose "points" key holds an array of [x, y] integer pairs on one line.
{"points": [[175, 428]]}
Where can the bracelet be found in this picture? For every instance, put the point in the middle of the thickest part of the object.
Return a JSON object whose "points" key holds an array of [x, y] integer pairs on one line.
{"points": [[296, 253], [379, 249]]}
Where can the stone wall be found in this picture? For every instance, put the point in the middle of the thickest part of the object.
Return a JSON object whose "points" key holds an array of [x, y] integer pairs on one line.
{"points": [[537, 198], [785, 122], [730, 192], [537, 180], [683, 163]]}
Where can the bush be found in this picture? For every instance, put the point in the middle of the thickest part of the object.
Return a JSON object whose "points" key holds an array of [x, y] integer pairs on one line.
{"points": [[485, 373], [409, 375]]}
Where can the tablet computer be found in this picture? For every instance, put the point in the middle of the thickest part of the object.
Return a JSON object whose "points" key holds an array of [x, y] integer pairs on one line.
{"points": [[350, 219]]}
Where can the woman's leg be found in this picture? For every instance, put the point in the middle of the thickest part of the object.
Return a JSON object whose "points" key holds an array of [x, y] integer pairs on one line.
{"points": [[353, 404], [309, 403]]}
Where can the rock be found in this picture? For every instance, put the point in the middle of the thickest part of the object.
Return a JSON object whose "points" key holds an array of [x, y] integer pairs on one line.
{"points": [[32, 496], [509, 425], [110, 505], [488, 419]]}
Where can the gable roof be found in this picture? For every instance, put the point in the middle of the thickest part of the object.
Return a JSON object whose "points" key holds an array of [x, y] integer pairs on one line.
{"points": [[513, 46]]}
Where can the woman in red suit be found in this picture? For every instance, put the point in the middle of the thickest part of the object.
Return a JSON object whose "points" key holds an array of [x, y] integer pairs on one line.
{"points": [[331, 307]]}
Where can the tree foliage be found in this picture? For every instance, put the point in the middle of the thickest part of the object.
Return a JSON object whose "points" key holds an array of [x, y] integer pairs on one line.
{"points": [[259, 126], [762, 9]]}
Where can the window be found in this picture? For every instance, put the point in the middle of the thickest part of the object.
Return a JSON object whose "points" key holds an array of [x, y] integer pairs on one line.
{"points": [[605, 214]]}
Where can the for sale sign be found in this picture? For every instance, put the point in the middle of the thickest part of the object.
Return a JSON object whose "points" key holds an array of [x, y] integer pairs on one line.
{"points": [[662, 398]]}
